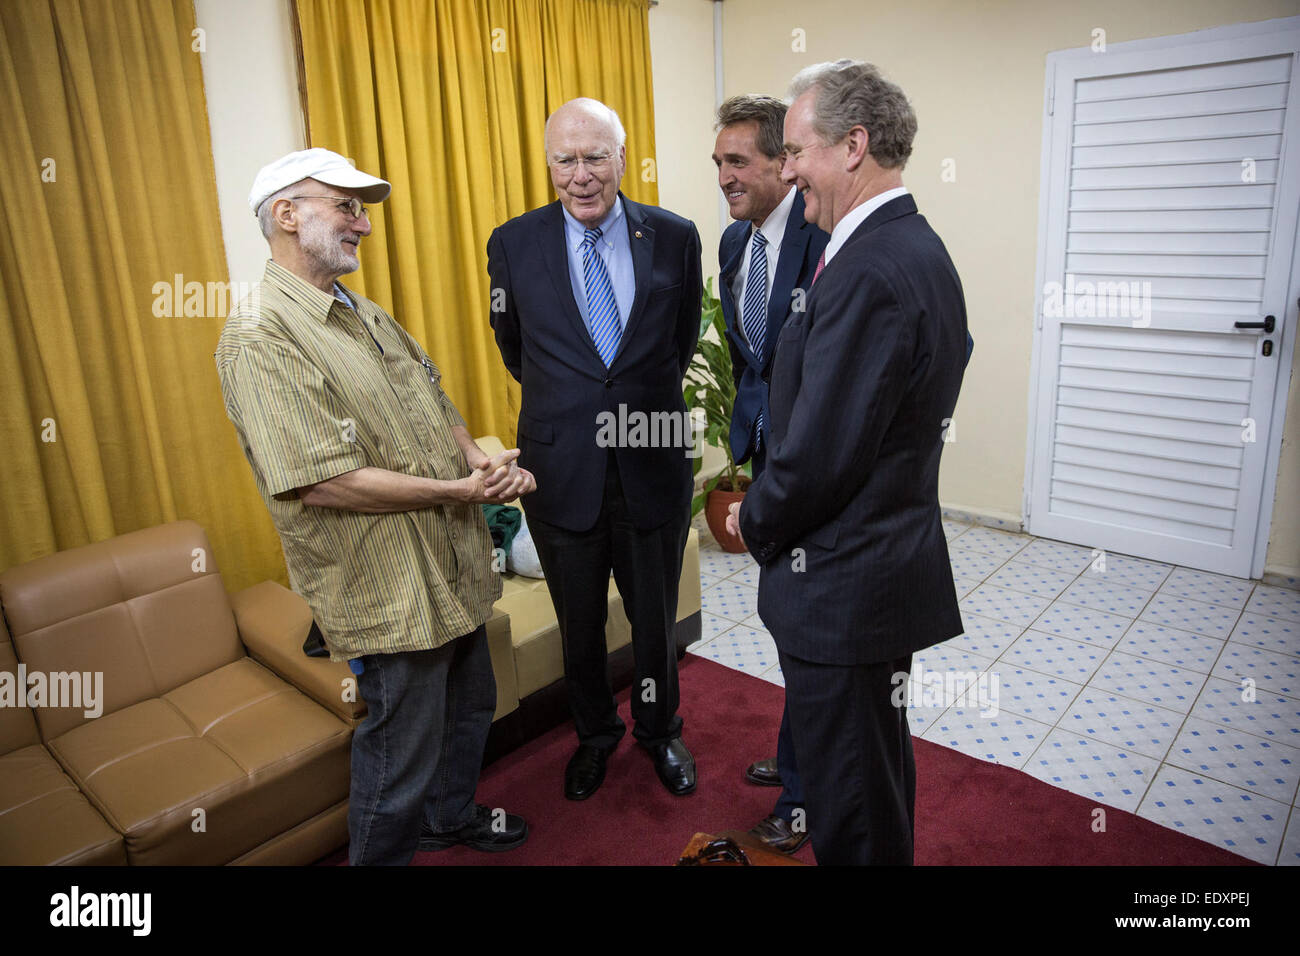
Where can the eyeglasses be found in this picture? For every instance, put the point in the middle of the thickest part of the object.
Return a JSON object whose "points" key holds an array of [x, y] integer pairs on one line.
{"points": [[352, 204], [569, 164]]}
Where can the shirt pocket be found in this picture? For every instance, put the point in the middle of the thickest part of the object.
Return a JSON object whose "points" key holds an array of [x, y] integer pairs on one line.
{"points": [[419, 435]]}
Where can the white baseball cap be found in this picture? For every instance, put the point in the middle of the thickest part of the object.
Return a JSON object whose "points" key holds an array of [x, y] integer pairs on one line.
{"points": [[322, 165]]}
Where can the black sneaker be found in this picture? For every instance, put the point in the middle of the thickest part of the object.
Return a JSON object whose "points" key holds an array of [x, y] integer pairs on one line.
{"points": [[490, 830]]}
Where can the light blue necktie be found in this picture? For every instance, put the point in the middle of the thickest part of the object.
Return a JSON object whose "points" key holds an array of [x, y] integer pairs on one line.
{"points": [[753, 314], [602, 309]]}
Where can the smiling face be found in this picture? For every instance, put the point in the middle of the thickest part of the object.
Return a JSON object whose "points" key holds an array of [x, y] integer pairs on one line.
{"points": [[328, 236], [750, 181], [586, 162], [811, 165]]}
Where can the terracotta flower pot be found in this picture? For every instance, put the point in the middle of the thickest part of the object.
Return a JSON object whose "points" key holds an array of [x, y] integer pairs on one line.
{"points": [[716, 506]]}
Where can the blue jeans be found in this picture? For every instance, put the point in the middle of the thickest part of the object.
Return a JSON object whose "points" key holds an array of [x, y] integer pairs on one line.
{"points": [[416, 757]]}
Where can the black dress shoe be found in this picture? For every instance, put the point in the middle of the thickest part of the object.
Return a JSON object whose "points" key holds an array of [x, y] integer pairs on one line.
{"points": [[764, 773], [776, 834], [488, 829], [585, 772], [675, 766]]}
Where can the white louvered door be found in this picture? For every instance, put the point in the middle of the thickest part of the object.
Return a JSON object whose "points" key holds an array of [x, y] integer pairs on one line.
{"points": [[1172, 180]]}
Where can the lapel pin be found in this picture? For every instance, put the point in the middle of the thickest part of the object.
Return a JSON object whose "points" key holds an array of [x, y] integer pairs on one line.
{"points": [[638, 233]]}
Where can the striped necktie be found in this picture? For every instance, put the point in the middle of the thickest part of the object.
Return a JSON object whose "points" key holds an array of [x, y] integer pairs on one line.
{"points": [[753, 314], [602, 309]]}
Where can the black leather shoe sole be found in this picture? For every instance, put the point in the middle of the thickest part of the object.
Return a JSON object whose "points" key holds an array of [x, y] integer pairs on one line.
{"points": [[487, 844], [582, 789], [573, 793], [677, 791], [757, 773], [775, 834], [478, 835], [670, 774]]}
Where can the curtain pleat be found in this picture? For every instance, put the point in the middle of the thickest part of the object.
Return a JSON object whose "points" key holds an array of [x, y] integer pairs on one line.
{"points": [[448, 100], [111, 418]]}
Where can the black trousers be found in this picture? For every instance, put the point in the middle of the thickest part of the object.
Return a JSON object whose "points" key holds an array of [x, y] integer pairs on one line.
{"points": [[647, 566], [855, 759], [791, 799]]}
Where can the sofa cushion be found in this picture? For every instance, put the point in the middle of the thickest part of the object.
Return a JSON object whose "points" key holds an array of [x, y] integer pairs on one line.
{"points": [[539, 654], [688, 588], [145, 609], [17, 724], [45, 819], [502, 653], [241, 745]]}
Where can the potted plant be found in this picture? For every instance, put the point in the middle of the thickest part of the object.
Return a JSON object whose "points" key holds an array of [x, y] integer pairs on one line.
{"points": [[711, 387]]}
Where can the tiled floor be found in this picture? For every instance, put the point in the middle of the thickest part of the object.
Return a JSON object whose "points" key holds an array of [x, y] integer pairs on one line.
{"points": [[1168, 692]]}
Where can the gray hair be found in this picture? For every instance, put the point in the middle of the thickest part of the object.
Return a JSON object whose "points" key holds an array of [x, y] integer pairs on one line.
{"points": [[593, 108], [264, 211], [767, 111], [853, 93]]}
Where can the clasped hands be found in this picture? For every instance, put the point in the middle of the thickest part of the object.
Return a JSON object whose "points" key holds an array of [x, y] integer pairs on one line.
{"points": [[495, 481], [733, 521]]}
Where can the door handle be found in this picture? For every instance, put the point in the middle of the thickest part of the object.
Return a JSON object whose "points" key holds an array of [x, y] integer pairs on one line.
{"points": [[1267, 325]]}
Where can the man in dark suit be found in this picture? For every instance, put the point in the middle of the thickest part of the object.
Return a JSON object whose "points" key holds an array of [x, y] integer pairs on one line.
{"points": [[596, 310], [767, 259], [845, 518]]}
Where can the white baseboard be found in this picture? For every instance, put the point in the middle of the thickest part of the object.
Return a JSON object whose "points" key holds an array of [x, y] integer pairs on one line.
{"points": [[1275, 575], [1003, 521], [1281, 577]]}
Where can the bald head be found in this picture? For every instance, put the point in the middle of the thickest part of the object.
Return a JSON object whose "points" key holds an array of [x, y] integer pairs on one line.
{"points": [[586, 154], [585, 110]]}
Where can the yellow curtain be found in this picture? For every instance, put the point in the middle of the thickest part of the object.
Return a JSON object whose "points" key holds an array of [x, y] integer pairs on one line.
{"points": [[447, 99], [111, 418]]}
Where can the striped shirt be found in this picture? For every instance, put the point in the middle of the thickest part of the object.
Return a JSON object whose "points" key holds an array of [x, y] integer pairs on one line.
{"points": [[316, 389]]}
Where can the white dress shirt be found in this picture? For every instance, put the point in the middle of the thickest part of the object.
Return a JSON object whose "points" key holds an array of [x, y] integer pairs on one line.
{"points": [[856, 216], [773, 230]]}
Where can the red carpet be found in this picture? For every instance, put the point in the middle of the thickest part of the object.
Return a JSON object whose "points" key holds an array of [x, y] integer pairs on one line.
{"points": [[968, 811]]}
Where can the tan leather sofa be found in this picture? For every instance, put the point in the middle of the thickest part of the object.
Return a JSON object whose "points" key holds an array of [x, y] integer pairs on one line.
{"points": [[200, 754], [219, 741]]}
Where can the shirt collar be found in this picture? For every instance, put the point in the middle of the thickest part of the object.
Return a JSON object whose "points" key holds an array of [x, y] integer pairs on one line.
{"points": [[856, 217], [773, 228], [317, 302], [576, 231]]}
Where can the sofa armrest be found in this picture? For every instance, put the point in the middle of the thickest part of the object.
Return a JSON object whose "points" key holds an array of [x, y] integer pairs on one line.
{"points": [[273, 622]]}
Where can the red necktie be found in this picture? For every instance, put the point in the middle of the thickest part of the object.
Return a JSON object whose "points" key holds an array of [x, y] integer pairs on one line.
{"points": [[821, 264]]}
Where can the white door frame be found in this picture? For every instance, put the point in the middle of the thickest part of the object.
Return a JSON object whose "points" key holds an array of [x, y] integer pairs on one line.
{"points": [[1284, 342]]}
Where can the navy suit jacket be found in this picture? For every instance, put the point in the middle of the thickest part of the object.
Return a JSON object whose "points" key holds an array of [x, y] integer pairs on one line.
{"points": [[801, 247], [844, 519], [565, 386]]}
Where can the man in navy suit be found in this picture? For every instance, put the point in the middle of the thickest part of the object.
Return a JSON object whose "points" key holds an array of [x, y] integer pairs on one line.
{"points": [[845, 518], [596, 310], [767, 259]]}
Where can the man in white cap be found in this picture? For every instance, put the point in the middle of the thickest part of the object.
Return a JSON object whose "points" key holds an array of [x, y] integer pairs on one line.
{"points": [[374, 484]]}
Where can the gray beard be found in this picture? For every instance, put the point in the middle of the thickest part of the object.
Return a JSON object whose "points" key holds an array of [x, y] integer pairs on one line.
{"points": [[320, 241]]}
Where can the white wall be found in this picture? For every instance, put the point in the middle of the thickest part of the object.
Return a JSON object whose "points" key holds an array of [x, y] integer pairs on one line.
{"points": [[975, 74], [681, 46], [250, 76]]}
